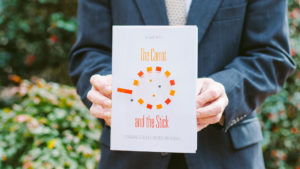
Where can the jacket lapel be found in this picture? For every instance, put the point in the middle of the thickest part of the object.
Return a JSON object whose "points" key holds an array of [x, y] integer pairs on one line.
{"points": [[153, 12], [201, 14]]}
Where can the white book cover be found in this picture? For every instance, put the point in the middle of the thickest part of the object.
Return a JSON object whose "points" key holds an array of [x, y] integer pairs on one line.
{"points": [[154, 70]]}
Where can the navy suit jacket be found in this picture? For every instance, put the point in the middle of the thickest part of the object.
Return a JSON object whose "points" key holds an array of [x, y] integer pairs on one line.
{"points": [[243, 44]]}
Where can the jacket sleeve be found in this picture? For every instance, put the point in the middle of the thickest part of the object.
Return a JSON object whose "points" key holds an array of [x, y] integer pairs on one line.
{"points": [[263, 63], [91, 54]]}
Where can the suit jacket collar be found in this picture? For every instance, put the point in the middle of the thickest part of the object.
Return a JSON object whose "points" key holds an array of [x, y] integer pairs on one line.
{"points": [[153, 12], [201, 13]]}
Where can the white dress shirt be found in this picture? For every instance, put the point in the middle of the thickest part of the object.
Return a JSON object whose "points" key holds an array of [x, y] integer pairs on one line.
{"points": [[187, 6]]}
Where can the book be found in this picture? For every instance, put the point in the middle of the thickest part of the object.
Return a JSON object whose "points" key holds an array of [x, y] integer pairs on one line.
{"points": [[154, 70]]}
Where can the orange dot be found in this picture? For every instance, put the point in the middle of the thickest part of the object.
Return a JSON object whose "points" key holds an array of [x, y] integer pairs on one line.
{"points": [[167, 101], [159, 106], [172, 82], [158, 68], [141, 101], [172, 92], [167, 73], [136, 82], [153, 95], [141, 73], [149, 106], [149, 69]]}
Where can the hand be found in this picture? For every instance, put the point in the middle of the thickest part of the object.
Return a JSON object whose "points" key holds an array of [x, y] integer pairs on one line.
{"points": [[211, 102], [100, 96]]}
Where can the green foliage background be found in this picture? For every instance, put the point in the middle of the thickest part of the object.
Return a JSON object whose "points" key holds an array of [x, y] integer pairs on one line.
{"points": [[35, 37], [44, 125]]}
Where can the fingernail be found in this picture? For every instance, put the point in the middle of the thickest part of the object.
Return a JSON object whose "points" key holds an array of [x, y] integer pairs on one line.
{"points": [[99, 106], [108, 115], [108, 88]]}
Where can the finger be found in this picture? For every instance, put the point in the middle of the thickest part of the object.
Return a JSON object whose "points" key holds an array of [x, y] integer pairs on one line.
{"points": [[108, 121], [201, 127], [107, 114], [203, 84], [97, 111], [102, 83], [213, 108], [107, 118], [211, 119], [210, 94], [96, 97], [200, 86], [100, 112], [108, 88]]}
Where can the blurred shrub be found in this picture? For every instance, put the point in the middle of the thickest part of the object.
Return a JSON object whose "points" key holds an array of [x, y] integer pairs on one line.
{"points": [[47, 127], [35, 37]]}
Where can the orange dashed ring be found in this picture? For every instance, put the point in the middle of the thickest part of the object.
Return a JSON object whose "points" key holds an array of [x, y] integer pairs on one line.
{"points": [[172, 83]]}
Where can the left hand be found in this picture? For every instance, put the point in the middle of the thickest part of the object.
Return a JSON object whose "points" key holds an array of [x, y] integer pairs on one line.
{"points": [[211, 102]]}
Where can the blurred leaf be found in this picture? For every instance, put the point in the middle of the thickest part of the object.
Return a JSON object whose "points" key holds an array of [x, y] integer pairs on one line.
{"points": [[36, 131]]}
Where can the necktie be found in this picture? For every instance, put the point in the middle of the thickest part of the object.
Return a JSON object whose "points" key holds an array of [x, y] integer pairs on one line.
{"points": [[176, 11]]}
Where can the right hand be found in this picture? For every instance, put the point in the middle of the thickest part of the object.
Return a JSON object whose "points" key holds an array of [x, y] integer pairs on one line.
{"points": [[100, 96]]}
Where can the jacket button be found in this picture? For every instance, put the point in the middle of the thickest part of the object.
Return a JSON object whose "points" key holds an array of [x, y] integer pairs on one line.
{"points": [[164, 154]]}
